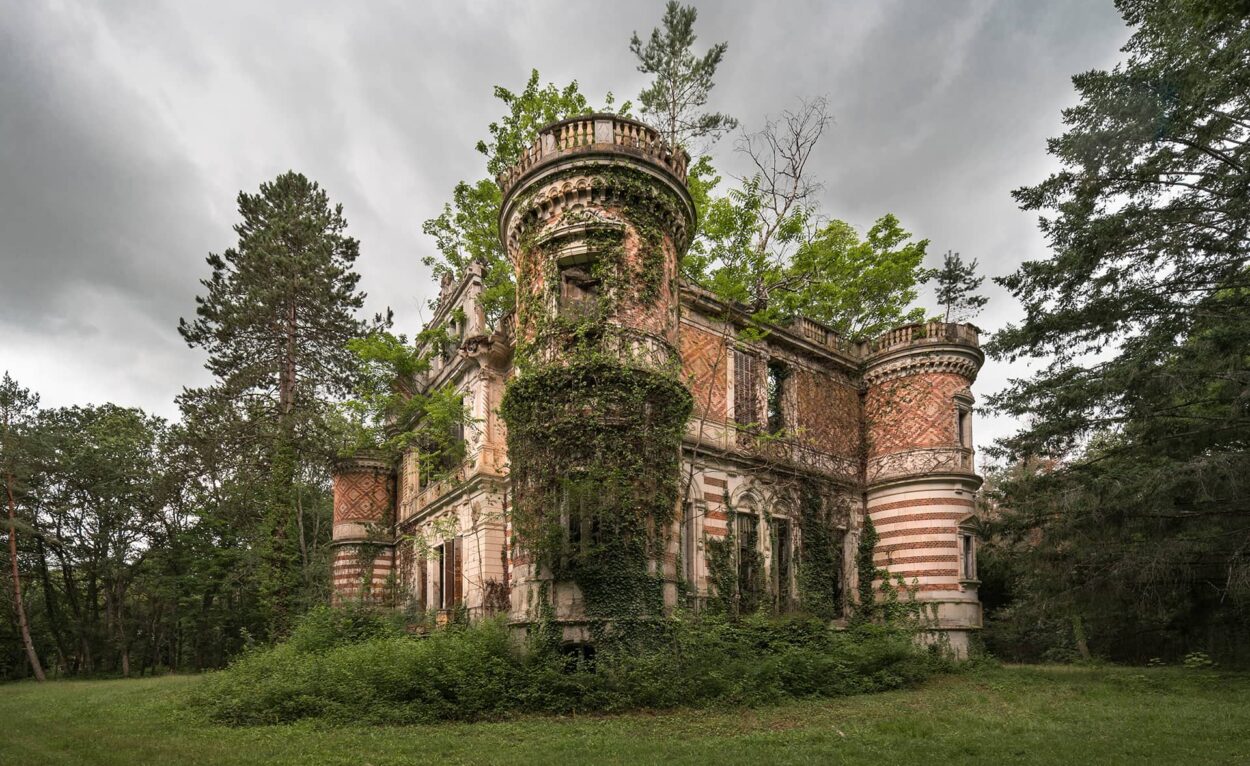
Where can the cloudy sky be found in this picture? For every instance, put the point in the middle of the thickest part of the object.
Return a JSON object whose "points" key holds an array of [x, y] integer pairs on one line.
{"points": [[127, 129]]}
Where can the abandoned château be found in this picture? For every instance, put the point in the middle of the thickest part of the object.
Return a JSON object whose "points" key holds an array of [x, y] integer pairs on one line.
{"points": [[635, 443]]}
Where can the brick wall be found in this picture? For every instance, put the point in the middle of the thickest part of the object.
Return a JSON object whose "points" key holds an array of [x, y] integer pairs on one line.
{"points": [[827, 412], [705, 369], [915, 411]]}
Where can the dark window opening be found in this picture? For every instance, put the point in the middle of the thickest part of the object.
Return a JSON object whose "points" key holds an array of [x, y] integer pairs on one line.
{"points": [[777, 373], [750, 575], [969, 556], [781, 555], [582, 524], [450, 574], [961, 424], [578, 657], [422, 583], [686, 545], [579, 289]]}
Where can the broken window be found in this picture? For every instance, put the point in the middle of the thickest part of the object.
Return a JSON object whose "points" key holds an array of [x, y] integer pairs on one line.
{"points": [[777, 374], [750, 576], [968, 555], [580, 520], [579, 289]]}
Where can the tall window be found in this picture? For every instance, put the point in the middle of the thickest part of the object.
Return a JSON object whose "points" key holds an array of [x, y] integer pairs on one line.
{"points": [[777, 373], [686, 545], [421, 585], [745, 398], [968, 555], [580, 519], [450, 574], [781, 556], [750, 574]]}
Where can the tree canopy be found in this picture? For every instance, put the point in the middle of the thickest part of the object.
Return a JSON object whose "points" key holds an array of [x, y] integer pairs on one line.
{"points": [[1139, 321], [276, 318]]}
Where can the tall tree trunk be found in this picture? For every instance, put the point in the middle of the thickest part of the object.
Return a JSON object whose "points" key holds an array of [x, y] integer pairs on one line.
{"points": [[31, 655], [49, 601]]}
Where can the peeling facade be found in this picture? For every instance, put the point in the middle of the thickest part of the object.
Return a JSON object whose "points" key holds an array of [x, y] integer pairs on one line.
{"points": [[880, 429]]}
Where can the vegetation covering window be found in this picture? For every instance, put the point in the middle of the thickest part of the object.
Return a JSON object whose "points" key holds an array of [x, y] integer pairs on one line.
{"points": [[745, 397], [450, 574], [579, 289], [777, 374], [750, 574], [580, 520], [782, 556]]}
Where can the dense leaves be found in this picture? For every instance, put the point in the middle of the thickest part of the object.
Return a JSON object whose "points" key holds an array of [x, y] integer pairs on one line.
{"points": [[471, 673], [468, 228], [276, 318], [1127, 507]]}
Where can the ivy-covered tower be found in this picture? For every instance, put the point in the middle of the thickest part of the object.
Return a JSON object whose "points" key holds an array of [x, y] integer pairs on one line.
{"points": [[596, 217]]}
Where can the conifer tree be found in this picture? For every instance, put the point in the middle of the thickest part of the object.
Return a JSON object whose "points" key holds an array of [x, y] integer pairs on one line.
{"points": [[276, 317], [957, 285], [674, 100], [1140, 320]]}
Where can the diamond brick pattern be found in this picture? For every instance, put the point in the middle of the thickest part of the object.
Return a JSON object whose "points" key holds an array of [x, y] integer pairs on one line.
{"points": [[361, 496]]}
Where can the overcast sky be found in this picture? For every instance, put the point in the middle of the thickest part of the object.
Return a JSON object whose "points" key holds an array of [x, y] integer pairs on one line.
{"points": [[127, 130]]}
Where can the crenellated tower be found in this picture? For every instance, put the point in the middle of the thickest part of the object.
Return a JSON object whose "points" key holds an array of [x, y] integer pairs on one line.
{"points": [[596, 217], [920, 479]]}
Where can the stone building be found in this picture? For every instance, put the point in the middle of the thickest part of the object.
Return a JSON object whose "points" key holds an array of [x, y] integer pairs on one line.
{"points": [[795, 434]]}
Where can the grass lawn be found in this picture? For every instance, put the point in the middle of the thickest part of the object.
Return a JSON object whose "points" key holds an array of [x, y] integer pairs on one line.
{"points": [[1010, 715]]}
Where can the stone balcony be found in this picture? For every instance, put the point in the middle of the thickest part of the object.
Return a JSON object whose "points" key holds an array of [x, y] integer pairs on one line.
{"points": [[594, 133]]}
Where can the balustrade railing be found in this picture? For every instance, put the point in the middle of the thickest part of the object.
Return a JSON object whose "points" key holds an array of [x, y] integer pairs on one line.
{"points": [[595, 130], [935, 331]]}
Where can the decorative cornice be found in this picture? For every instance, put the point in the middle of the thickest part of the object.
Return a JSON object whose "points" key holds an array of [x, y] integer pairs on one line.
{"points": [[579, 184], [964, 361], [367, 461]]}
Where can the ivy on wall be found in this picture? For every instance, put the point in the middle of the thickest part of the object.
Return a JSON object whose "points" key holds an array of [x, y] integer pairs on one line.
{"points": [[595, 459]]}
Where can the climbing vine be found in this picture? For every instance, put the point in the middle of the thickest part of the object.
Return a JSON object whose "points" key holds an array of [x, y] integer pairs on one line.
{"points": [[821, 519], [866, 570], [595, 420], [594, 449]]}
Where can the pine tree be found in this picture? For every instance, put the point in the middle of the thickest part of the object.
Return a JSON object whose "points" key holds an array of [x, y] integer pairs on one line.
{"points": [[278, 312], [1140, 321], [676, 96], [957, 285]]}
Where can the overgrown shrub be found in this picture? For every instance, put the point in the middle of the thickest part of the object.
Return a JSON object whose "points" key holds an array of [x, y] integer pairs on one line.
{"points": [[480, 671]]}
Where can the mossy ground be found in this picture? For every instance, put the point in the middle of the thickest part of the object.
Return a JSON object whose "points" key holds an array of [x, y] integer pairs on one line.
{"points": [[1007, 715]]}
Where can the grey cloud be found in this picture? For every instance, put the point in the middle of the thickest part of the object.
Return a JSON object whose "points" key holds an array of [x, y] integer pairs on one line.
{"points": [[127, 129]]}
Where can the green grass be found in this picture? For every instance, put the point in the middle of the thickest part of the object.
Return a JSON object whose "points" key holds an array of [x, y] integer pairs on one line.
{"points": [[1009, 715]]}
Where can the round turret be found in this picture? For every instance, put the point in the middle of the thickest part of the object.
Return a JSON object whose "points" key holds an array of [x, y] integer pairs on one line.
{"points": [[596, 218]]}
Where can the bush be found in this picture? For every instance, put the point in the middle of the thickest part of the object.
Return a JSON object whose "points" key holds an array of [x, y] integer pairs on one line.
{"points": [[371, 673]]}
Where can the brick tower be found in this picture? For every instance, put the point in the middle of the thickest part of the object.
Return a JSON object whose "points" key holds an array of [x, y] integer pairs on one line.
{"points": [[921, 481], [596, 216], [363, 534]]}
